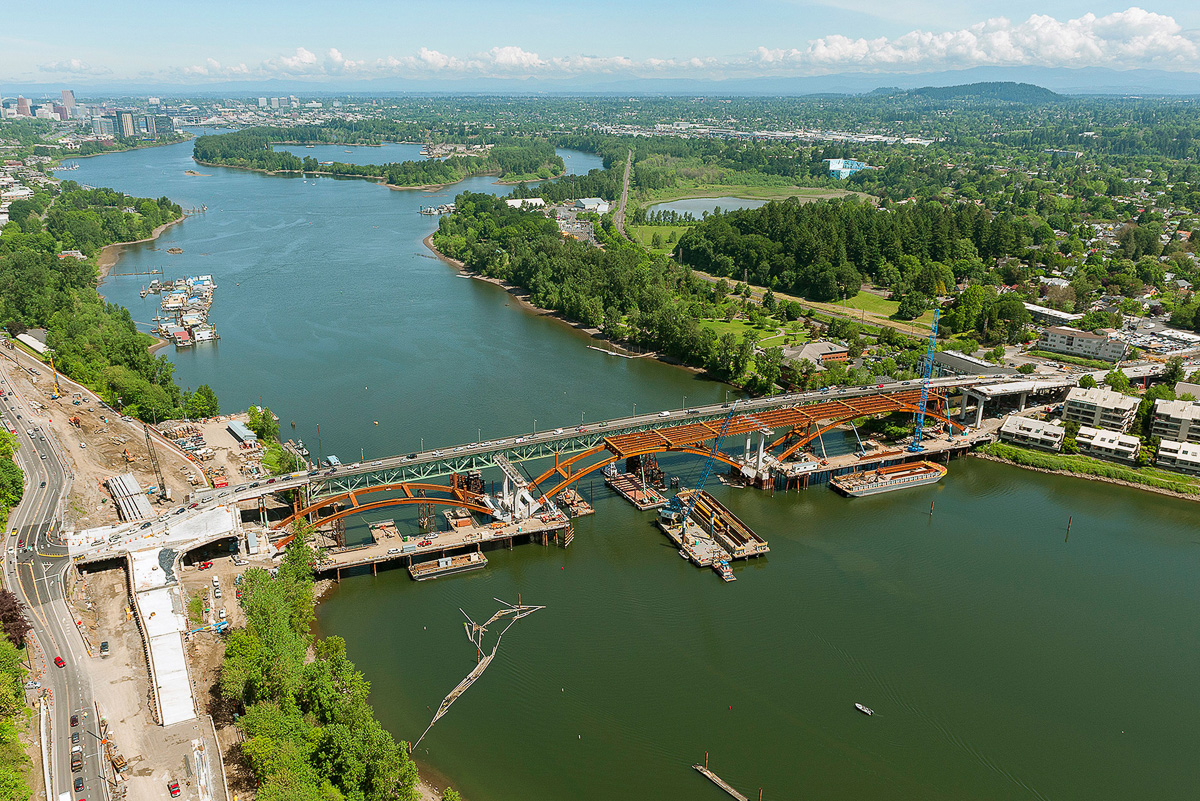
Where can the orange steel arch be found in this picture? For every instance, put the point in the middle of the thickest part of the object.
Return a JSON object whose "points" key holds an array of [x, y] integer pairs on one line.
{"points": [[569, 480], [837, 422], [406, 488]]}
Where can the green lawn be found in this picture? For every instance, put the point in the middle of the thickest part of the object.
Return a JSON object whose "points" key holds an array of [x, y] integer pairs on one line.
{"points": [[644, 234], [769, 335]]}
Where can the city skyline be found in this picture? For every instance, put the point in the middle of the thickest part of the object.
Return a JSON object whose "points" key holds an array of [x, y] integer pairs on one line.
{"points": [[585, 44]]}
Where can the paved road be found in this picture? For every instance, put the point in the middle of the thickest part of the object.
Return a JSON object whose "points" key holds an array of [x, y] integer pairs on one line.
{"points": [[34, 571]]}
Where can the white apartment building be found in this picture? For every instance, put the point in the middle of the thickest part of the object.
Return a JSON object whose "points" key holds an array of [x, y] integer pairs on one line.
{"points": [[1176, 420], [1038, 433], [1085, 344], [1110, 444], [1100, 408], [1182, 456]]}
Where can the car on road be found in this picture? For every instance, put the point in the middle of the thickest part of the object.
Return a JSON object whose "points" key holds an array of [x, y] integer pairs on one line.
{"points": [[270, 481], [33, 685], [173, 789], [664, 414], [879, 386], [43, 484], [146, 525], [58, 661], [376, 463], [558, 431], [74, 720], [253, 485], [194, 505], [437, 453], [74, 737], [79, 784]]}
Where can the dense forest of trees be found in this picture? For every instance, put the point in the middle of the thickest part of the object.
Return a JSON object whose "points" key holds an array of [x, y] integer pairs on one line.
{"points": [[252, 148], [824, 251], [96, 343], [310, 731]]}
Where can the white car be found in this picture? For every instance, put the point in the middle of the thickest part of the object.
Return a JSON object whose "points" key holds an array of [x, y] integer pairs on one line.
{"points": [[558, 431], [436, 453], [664, 414]]}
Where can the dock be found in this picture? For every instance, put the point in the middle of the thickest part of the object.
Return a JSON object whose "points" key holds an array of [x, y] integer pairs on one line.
{"points": [[694, 544], [631, 488], [717, 780], [575, 503]]}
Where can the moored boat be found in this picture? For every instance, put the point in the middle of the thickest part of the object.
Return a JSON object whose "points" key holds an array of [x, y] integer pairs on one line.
{"points": [[886, 479]]}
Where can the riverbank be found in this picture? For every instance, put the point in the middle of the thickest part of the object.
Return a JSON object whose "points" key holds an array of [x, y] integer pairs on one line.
{"points": [[111, 254], [521, 295], [1038, 462], [377, 179]]}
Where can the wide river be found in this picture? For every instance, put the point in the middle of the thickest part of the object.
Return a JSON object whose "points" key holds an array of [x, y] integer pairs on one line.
{"points": [[1003, 659]]}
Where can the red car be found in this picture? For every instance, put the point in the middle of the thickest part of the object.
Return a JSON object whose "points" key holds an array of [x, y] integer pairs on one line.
{"points": [[58, 661], [173, 789], [205, 565]]}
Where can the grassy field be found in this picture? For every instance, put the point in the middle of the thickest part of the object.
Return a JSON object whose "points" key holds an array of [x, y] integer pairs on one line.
{"points": [[769, 336], [644, 235], [1093, 364]]}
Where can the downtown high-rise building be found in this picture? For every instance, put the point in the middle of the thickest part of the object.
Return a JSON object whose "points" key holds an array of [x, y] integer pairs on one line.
{"points": [[68, 100], [23, 107]]}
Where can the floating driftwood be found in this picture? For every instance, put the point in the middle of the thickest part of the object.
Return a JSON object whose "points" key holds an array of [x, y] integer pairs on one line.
{"points": [[475, 632]]}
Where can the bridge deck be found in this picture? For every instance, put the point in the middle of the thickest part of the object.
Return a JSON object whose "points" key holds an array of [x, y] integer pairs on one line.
{"points": [[691, 434]]}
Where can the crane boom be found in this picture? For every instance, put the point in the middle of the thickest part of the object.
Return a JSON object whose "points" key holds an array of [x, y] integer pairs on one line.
{"points": [[162, 484], [712, 458], [916, 446]]}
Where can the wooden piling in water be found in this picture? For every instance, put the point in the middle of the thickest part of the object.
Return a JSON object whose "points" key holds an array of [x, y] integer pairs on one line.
{"points": [[717, 780]]}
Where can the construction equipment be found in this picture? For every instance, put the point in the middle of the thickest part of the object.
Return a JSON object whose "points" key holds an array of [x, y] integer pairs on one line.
{"points": [[75, 421], [57, 393], [128, 455], [77, 398], [162, 484], [916, 446], [676, 509]]}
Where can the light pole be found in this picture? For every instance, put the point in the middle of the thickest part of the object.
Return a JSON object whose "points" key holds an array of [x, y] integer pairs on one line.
{"points": [[685, 402], [535, 426], [635, 410], [581, 418], [478, 435]]}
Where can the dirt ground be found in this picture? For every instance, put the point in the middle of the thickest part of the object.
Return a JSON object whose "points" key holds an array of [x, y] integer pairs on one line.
{"points": [[106, 437], [156, 755]]}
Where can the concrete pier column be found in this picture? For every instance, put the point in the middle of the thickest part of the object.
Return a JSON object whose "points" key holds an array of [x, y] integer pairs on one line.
{"points": [[1021, 401], [979, 413], [966, 398], [746, 455], [762, 448]]}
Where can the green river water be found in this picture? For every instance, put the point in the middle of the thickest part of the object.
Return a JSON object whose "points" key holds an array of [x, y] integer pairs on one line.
{"points": [[1003, 660]]}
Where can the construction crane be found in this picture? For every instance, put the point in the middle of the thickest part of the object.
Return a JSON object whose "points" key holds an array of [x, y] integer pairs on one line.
{"points": [[916, 446], [162, 484], [676, 508], [57, 389]]}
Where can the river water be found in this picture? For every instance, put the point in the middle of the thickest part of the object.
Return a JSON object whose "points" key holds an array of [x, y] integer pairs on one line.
{"points": [[1004, 660]]}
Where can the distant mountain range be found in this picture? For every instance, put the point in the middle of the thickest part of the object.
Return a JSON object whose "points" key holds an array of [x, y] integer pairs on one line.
{"points": [[1051, 80]]}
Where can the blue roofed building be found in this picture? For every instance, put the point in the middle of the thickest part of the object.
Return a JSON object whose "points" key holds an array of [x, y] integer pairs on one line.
{"points": [[844, 168]]}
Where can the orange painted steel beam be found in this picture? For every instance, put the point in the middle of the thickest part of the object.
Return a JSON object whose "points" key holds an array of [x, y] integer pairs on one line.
{"points": [[564, 468], [352, 497], [386, 503], [721, 457]]}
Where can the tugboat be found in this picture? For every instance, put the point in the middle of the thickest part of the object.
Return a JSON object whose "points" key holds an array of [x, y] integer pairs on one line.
{"points": [[724, 570]]}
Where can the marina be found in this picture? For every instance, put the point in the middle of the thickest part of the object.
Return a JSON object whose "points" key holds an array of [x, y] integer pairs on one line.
{"points": [[184, 308]]}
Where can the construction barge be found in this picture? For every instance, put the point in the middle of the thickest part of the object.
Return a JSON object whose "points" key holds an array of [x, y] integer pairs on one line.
{"points": [[633, 489], [724, 526], [712, 536], [574, 503], [448, 566], [859, 484]]}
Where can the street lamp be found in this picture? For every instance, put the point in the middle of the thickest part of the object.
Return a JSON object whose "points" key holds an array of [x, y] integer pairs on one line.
{"points": [[685, 401], [635, 410], [581, 418], [535, 426]]}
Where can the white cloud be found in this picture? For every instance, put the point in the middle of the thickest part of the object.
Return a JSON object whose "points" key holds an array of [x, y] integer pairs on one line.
{"points": [[74, 66], [1122, 40]]}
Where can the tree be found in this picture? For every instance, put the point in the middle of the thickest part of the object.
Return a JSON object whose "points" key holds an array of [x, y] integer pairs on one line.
{"points": [[1087, 382], [202, 403], [263, 424], [12, 618], [1174, 370], [1117, 380], [912, 306]]}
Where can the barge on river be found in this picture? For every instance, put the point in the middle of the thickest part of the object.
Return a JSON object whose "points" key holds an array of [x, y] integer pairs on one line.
{"points": [[887, 479], [448, 566]]}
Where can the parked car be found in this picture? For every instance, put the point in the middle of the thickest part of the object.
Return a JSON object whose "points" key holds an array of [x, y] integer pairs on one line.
{"points": [[205, 565], [173, 789]]}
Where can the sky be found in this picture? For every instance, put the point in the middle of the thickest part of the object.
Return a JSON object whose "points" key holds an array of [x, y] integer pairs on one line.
{"points": [[344, 42]]}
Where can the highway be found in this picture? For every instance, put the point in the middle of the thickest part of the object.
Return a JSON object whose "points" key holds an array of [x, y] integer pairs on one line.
{"points": [[35, 563]]}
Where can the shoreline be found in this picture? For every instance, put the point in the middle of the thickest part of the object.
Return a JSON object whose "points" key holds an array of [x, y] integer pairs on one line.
{"points": [[111, 254], [521, 295], [1104, 479]]}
